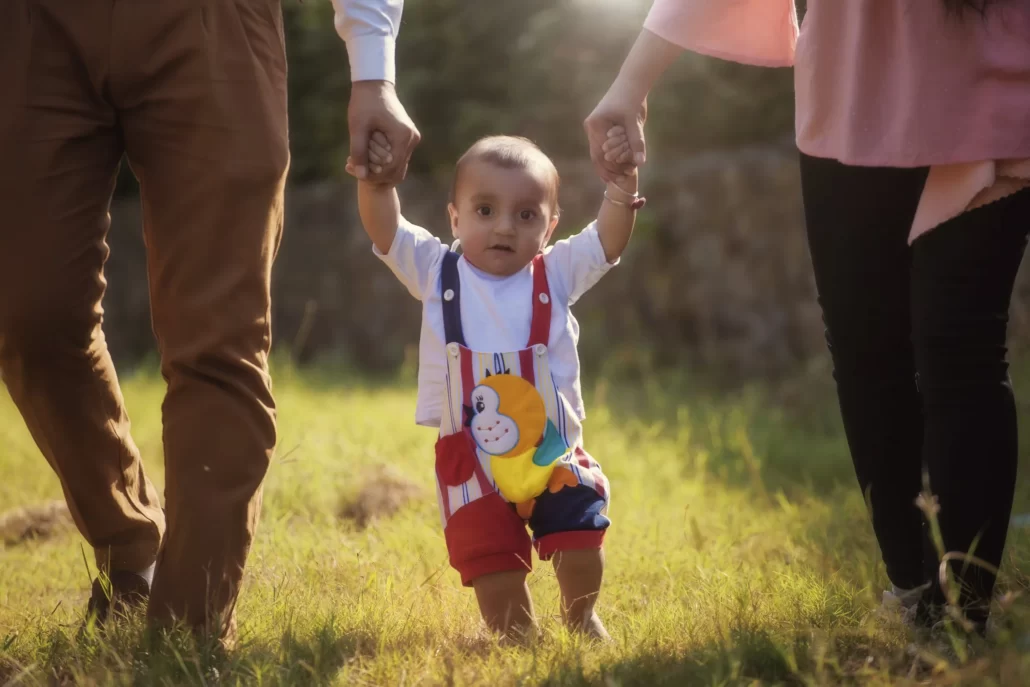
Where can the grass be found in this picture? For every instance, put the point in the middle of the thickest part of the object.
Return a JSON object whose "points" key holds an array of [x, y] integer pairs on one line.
{"points": [[740, 554]]}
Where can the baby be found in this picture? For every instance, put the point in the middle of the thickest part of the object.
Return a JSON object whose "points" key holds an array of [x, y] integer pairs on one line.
{"points": [[499, 371]]}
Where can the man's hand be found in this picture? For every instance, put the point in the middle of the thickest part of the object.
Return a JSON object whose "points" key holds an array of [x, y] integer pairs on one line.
{"points": [[621, 112], [374, 106]]}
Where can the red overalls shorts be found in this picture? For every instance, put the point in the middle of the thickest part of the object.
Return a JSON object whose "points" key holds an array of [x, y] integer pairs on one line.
{"points": [[506, 423]]}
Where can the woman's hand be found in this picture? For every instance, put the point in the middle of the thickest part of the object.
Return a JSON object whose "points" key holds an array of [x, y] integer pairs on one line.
{"points": [[625, 105], [615, 132]]}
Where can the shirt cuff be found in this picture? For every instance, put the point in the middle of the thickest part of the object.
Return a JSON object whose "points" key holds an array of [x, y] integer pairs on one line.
{"points": [[372, 58]]}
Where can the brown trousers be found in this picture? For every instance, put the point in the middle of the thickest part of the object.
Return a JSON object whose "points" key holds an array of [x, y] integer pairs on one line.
{"points": [[193, 92]]}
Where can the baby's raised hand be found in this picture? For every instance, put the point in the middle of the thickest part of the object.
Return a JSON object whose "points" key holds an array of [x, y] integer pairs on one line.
{"points": [[379, 153], [616, 146], [616, 149]]}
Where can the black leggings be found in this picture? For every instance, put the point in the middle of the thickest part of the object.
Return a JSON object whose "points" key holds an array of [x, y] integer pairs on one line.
{"points": [[917, 335]]}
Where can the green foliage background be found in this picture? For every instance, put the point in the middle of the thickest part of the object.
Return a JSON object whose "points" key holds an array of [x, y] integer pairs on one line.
{"points": [[529, 67]]}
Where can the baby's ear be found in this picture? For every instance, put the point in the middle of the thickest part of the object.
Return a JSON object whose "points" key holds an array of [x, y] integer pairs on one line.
{"points": [[552, 227], [452, 213]]}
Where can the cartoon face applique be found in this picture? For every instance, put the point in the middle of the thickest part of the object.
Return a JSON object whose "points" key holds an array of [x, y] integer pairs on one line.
{"points": [[508, 415], [508, 421]]}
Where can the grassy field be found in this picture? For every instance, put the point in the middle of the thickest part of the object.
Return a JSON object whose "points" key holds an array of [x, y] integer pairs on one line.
{"points": [[740, 553]]}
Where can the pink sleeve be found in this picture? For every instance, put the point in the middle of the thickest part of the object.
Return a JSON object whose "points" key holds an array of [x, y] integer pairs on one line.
{"points": [[757, 32]]}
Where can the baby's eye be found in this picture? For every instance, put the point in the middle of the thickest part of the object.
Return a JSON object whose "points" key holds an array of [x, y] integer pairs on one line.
{"points": [[527, 215], [484, 211]]}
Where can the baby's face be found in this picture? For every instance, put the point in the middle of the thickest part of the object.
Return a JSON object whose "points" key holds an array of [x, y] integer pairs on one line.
{"points": [[503, 217]]}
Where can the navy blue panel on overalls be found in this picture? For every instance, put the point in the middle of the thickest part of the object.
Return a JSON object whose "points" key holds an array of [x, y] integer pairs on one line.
{"points": [[451, 308]]}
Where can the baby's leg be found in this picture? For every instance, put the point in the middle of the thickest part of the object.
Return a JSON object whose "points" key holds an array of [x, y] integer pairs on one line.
{"points": [[579, 573], [506, 605], [487, 544], [569, 522]]}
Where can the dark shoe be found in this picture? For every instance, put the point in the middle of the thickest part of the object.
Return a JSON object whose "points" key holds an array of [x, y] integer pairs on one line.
{"points": [[955, 636], [903, 603], [118, 593]]}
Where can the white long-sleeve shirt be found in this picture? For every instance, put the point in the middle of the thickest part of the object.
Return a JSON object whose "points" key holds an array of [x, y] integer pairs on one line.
{"points": [[369, 28]]}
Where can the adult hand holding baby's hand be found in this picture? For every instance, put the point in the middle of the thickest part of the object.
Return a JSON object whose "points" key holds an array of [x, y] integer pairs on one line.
{"points": [[374, 106], [380, 154], [615, 132], [617, 149]]}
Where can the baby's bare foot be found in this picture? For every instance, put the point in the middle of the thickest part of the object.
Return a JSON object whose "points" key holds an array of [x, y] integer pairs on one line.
{"points": [[593, 628], [518, 636]]}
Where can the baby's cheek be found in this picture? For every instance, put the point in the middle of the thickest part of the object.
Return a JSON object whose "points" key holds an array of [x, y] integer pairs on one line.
{"points": [[473, 240], [536, 244]]}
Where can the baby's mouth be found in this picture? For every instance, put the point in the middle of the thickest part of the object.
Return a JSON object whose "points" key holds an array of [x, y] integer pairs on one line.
{"points": [[502, 248]]}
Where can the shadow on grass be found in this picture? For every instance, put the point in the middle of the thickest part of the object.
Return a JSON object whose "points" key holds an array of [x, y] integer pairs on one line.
{"points": [[750, 657], [311, 660], [761, 657], [128, 655], [318, 659], [744, 654]]}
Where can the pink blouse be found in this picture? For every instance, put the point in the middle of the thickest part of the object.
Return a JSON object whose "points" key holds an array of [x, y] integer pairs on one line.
{"points": [[888, 83]]}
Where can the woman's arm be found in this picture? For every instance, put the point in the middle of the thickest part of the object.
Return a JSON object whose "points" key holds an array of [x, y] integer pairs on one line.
{"points": [[625, 104], [647, 60], [760, 32]]}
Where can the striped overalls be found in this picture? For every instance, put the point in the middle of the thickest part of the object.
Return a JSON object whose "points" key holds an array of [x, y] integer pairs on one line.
{"points": [[510, 449]]}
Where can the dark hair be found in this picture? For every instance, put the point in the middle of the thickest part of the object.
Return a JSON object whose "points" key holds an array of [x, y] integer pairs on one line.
{"points": [[510, 152]]}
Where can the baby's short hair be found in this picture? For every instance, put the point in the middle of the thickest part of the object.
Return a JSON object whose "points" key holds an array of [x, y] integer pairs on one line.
{"points": [[510, 152]]}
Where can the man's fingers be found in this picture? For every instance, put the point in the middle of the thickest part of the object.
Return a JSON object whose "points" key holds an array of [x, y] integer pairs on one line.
{"points": [[413, 139], [402, 139]]}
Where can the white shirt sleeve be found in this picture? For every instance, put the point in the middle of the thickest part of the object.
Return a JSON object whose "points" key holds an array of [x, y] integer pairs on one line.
{"points": [[370, 27], [415, 257], [578, 263]]}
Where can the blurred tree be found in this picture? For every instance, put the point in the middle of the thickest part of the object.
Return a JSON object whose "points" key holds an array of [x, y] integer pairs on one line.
{"points": [[529, 67]]}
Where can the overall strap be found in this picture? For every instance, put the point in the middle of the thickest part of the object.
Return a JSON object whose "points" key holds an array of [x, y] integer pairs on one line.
{"points": [[540, 328], [450, 293]]}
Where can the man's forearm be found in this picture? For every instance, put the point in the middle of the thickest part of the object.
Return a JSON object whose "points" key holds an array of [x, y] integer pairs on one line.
{"points": [[370, 28]]}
